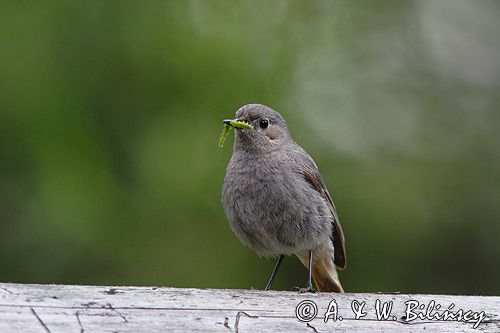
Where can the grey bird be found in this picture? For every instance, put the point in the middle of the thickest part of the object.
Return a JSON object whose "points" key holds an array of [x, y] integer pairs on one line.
{"points": [[276, 201]]}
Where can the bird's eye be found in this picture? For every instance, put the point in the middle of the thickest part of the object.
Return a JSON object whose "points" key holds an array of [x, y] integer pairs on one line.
{"points": [[263, 123]]}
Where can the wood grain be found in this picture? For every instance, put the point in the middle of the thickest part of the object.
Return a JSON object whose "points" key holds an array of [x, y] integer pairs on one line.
{"points": [[68, 308]]}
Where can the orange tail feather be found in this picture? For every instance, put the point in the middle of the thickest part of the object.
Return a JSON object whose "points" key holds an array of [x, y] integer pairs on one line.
{"points": [[324, 271]]}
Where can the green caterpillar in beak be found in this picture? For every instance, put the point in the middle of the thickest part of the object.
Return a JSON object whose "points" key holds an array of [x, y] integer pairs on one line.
{"points": [[232, 123]]}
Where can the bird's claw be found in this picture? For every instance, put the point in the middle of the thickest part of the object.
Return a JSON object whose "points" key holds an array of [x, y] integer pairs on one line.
{"points": [[308, 289]]}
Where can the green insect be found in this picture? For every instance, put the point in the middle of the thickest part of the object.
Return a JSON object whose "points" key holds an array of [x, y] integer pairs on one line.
{"points": [[223, 135], [231, 123]]}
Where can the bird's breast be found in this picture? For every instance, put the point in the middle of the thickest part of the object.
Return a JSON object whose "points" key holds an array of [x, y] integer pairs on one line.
{"points": [[268, 206]]}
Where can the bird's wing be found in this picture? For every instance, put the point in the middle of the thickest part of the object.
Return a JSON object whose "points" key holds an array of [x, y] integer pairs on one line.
{"points": [[312, 175]]}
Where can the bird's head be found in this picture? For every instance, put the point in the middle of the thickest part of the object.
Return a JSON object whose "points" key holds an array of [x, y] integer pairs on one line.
{"points": [[267, 131]]}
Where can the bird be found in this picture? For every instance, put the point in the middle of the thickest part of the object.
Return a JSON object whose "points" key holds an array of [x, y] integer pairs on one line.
{"points": [[276, 201]]}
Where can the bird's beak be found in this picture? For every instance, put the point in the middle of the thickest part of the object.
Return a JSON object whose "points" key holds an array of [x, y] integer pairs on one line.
{"points": [[229, 121]]}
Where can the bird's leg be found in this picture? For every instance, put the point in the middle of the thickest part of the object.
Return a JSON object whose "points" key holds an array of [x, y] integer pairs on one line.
{"points": [[273, 275], [309, 288]]}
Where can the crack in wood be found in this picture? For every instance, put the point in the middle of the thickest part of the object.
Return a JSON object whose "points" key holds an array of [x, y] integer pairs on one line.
{"points": [[237, 321], [77, 314], [109, 306], [226, 323], [7, 290], [313, 328], [95, 305], [40, 320], [112, 291]]}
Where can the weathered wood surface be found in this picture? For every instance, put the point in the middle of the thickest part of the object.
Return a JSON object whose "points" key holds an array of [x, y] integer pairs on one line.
{"points": [[66, 308]]}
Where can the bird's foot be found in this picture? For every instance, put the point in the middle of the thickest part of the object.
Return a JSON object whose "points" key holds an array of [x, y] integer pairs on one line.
{"points": [[308, 289]]}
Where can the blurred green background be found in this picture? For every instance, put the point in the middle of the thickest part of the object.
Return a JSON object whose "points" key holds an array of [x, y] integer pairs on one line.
{"points": [[110, 113]]}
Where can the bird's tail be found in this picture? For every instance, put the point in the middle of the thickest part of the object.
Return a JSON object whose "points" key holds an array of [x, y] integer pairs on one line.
{"points": [[324, 271]]}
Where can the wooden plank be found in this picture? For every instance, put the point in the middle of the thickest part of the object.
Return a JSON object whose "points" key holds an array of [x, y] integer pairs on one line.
{"points": [[67, 308]]}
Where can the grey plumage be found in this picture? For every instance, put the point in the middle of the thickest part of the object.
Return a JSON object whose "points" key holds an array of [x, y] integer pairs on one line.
{"points": [[273, 195]]}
